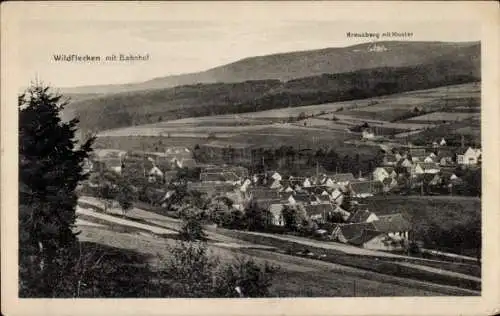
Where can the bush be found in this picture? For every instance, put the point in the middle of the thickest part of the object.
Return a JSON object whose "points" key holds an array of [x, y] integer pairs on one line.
{"points": [[191, 228], [192, 272]]}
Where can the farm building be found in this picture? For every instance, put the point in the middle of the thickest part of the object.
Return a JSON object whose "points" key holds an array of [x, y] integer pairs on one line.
{"points": [[389, 232], [471, 156]]}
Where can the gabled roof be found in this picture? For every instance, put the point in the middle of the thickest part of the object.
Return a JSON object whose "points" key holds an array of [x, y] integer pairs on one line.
{"points": [[391, 223], [212, 177], [212, 170], [188, 163], [323, 198], [428, 165], [365, 236], [301, 197], [388, 181], [364, 187], [266, 203], [263, 193], [342, 177], [390, 158], [360, 216], [417, 151], [351, 231], [318, 209]]}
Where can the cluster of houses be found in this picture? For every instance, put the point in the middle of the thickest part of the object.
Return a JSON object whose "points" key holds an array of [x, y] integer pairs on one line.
{"points": [[319, 196], [435, 167]]}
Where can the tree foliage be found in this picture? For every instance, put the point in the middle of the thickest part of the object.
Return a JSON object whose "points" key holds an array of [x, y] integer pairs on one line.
{"points": [[192, 271], [50, 168]]}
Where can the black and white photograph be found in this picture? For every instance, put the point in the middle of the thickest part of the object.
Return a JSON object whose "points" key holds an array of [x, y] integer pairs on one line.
{"points": [[272, 153]]}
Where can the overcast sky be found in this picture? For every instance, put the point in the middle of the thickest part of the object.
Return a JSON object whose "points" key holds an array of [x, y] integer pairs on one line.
{"points": [[185, 45]]}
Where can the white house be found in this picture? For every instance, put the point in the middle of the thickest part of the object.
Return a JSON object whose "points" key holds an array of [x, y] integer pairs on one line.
{"points": [[306, 183], [276, 211], [276, 184], [382, 173], [337, 196], [426, 168], [470, 157], [276, 176], [368, 135], [330, 183], [155, 172], [245, 185]]}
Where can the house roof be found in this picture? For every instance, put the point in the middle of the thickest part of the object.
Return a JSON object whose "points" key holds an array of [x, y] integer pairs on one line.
{"points": [[263, 193], [210, 188], [276, 208], [338, 209], [391, 223], [266, 203], [428, 165], [365, 236], [323, 198], [342, 177], [301, 197], [318, 209], [390, 158], [212, 170], [205, 177], [351, 231], [188, 163], [360, 216], [360, 187], [417, 151]]}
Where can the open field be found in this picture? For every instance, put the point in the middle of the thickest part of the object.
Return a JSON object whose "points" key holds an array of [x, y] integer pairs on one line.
{"points": [[453, 131], [336, 279], [297, 276], [444, 116], [384, 109]]}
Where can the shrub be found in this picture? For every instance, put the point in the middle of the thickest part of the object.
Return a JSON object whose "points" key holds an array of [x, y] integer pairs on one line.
{"points": [[191, 271]]}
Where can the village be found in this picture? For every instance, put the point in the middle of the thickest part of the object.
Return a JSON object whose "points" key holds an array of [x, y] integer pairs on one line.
{"points": [[314, 202]]}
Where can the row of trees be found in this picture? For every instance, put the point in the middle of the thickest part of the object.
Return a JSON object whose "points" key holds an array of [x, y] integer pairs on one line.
{"points": [[292, 160]]}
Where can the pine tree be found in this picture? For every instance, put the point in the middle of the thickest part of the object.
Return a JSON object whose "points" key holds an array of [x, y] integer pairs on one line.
{"points": [[50, 167]]}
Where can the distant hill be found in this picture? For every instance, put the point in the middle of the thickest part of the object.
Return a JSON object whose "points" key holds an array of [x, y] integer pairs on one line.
{"points": [[292, 65], [151, 106]]}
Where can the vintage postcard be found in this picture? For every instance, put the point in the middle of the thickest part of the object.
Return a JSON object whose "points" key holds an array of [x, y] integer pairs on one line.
{"points": [[281, 158]]}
